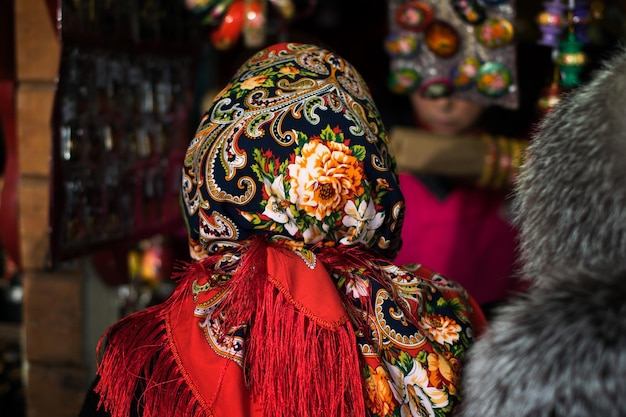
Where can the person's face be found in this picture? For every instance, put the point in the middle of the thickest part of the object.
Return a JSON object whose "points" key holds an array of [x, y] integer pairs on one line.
{"points": [[445, 115]]}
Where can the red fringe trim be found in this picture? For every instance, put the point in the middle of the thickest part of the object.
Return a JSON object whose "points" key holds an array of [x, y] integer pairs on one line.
{"points": [[144, 375], [295, 366], [298, 368]]}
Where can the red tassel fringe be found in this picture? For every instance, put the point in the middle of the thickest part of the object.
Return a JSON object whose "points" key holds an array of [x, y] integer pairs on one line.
{"points": [[294, 366], [298, 368], [146, 377]]}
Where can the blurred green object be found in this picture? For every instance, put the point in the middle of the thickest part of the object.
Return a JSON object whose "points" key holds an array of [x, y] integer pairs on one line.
{"points": [[571, 60]]}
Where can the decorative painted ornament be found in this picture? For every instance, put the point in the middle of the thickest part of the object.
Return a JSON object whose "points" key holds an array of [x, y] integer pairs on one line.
{"points": [[495, 33], [436, 88], [493, 79], [226, 34], [571, 60], [217, 12], [551, 22], [469, 11], [442, 39], [254, 25], [549, 98], [404, 80], [461, 37], [464, 74], [414, 15], [401, 44]]}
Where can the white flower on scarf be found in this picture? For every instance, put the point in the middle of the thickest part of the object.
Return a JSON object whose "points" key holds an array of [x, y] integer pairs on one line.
{"points": [[362, 222], [278, 207], [357, 287], [413, 392], [313, 234]]}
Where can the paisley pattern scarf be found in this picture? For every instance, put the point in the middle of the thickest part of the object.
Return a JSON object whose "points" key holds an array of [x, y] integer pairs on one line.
{"points": [[292, 306]]}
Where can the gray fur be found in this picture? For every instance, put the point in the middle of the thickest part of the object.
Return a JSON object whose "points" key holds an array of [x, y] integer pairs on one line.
{"points": [[555, 352], [571, 193], [560, 350]]}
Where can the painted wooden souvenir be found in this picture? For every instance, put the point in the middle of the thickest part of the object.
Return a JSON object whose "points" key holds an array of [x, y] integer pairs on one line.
{"points": [[436, 88], [255, 24], [493, 79], [414, 15], [464, 74], [571, 60], [551, 23], [401, 44], [404, 80], [549, 98], [470, 11], [495, 33], [225, 36], [442, 39]]}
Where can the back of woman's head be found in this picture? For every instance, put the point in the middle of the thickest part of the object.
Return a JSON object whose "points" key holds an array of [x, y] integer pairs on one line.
{"points": [[293, 149]]}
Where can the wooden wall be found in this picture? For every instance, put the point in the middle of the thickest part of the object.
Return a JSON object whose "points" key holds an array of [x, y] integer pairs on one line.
{"points": [[53, 301]]}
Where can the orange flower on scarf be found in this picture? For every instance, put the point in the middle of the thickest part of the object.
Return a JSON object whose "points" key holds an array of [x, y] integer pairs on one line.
{"points": [[380, 397], [289, 70], [443, 371], [254, 82], [324, 177]]}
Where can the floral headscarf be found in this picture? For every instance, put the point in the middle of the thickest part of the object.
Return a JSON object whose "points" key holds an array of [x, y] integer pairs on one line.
{"points": [[293, 148], [292, 306]]}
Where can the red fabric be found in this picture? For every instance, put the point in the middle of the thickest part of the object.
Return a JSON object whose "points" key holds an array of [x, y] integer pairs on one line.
{"points": [[212, 377], [465, 237], [144, 375], [312, 291], [294, 337], [169, 359]]}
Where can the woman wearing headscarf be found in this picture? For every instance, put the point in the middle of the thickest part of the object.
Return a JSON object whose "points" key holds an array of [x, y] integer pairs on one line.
{"points": [[291, 305]]}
